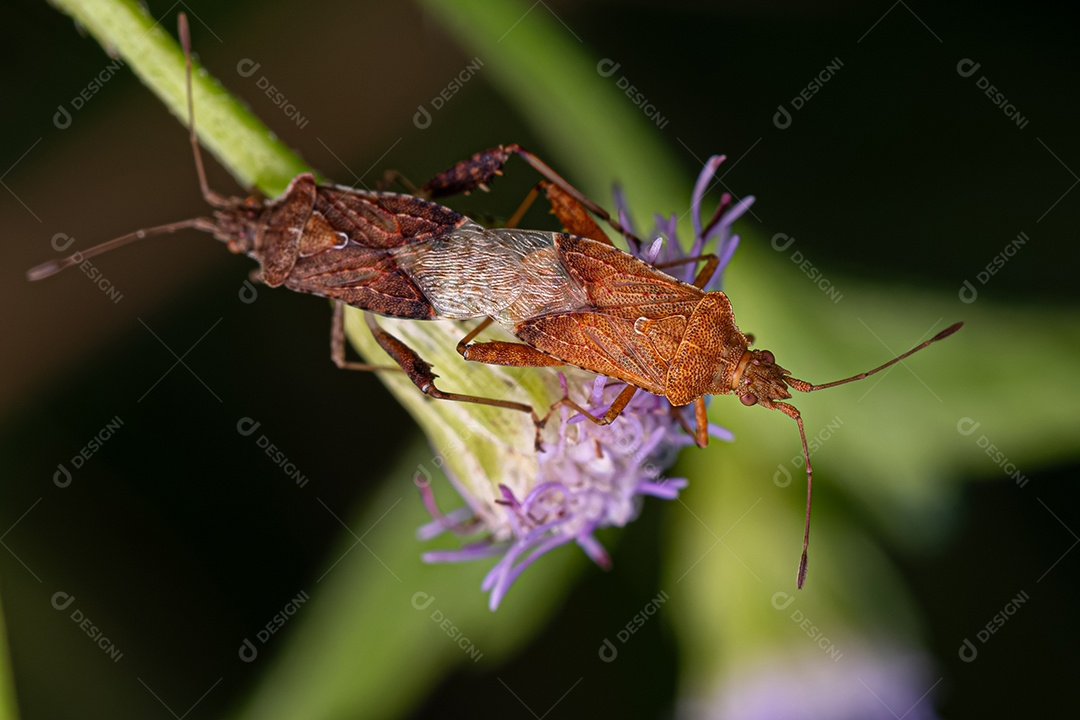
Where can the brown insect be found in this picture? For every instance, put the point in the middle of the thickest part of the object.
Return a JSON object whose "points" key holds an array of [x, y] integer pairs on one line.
{"points": [[619, 316], [571, 298]]}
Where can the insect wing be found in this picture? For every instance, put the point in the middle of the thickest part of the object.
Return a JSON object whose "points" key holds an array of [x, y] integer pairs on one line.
{"points": [[632, 321], [620, 284]]}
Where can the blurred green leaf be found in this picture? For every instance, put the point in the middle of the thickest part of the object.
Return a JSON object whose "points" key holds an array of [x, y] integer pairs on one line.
{"points": [[383, 627], [8, 705]]}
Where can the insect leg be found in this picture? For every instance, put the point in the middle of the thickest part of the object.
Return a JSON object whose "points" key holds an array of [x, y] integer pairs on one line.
{"points": [[704, 275], [478, 170], [472, 334], [571, 214], [623, 399], [700, 430], [419, 372], [501, 352], [337, 345], [523, 208], [482, 167], [390, 177], [512, 354], [701, 423]]}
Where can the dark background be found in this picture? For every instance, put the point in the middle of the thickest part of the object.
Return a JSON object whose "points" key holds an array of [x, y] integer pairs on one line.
{"points": [[897, 185]]}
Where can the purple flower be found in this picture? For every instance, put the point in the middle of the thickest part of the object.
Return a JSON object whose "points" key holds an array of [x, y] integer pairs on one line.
{"points": [[590, 476]]}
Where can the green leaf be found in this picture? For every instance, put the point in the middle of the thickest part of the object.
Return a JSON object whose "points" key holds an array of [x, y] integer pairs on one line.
{"points": [[8, 705], [225, 126], [382, 626]]}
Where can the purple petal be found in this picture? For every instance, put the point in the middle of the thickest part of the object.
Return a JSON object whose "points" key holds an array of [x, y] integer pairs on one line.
{"points": [[700, 187]]}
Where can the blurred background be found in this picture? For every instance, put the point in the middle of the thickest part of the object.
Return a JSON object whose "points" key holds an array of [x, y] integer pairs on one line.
{"points": [[943, 575]]}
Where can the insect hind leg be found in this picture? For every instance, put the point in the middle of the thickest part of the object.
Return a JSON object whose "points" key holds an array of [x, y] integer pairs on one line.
{"points": [[479, 170], [415, 368]]}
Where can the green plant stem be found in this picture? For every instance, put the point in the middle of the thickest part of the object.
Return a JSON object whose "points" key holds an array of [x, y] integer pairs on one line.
{"points": [[225, 127]]}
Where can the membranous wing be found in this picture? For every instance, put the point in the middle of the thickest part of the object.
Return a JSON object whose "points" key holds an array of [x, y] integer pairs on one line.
{"points": [[505, 274], [631, 324]]}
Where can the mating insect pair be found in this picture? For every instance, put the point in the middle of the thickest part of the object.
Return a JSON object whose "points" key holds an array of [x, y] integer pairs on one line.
{"points": [[571, 298]]}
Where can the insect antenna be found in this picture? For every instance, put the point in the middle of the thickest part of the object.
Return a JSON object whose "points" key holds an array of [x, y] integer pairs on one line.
{"points": [[213, 198], [803, 386], [52, 267]]}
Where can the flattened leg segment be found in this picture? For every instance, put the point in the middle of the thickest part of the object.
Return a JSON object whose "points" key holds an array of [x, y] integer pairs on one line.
{"points": [[507, 354], [572, 215]]}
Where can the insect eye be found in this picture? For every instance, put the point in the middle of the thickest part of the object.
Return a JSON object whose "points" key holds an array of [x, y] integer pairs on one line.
{"points": [[749, 399], [767, 357]]}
